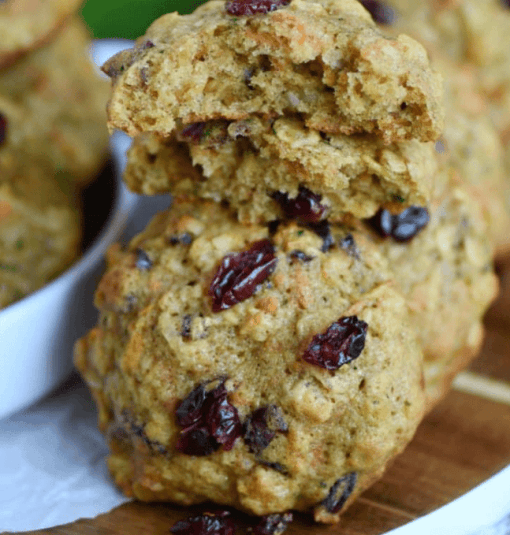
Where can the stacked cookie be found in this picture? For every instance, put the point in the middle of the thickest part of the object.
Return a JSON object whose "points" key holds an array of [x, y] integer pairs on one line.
{"points": [[52, 140], [470, 43], [272, 341]]}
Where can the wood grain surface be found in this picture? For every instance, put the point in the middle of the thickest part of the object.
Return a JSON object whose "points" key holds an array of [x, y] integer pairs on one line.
{"points": [[461, 443]]}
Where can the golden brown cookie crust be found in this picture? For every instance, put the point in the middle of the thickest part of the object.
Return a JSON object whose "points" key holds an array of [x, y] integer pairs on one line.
{"points": [[352, 420], [27, 24], [324, 60], [54, 101]]}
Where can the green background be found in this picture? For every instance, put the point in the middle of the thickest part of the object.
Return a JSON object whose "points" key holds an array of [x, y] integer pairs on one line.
{"points": [[129, 18]]}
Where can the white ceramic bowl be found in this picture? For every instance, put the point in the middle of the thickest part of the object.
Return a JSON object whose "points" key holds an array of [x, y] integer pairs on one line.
{"points": [[37, 333]]}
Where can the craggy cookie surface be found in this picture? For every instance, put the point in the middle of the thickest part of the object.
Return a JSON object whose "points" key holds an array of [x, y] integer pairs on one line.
{"points": [[25, 24], [445, 272], [40, 232], [268, 370], [470, 144], [473, 33], [325, 60], [262, 167], [52, 107]]}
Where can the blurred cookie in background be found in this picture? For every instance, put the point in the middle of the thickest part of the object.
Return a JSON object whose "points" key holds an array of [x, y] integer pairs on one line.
{"points": [[26, 24], [40, 231], [52, 107]]}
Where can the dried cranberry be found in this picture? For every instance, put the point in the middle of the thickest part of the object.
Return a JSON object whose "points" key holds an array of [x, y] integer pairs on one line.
{"points": [[193, 132], [301, 256], [206, 524], [211, 133], [146, 45], [261, 427], [240, 274], [305, 207], [401, 227], [224, 423], [143, 262], [197, 441], [342, 342], [340, 492], [323, 230], [3, 128], [274, 524], [208, 421], [381, 13], [240, 8], [191, 408]]}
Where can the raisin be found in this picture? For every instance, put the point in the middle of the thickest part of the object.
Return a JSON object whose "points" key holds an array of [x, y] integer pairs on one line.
{"points": [[261, 427], [208, 420], [139, 431], [323, 230], [340, 492], [185, 239], [300, 256], [273, 226], [248, 75], [342, 342], [128, 428], [381, 13], [240, 274], [306, 207], [3, 128], [274, 466], [401, 227], [349, 245], [143, 262], [240, 8], [506, 3], [274, 524], [186, 327], [206, 524]]}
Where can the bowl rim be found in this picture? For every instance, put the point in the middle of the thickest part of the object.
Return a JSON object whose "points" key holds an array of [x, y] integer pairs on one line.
{"points": [[114, 222]]}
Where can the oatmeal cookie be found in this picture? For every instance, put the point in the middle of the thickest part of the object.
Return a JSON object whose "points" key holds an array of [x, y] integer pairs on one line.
{"points": [[473, 33], [261, 166], [40, 231], [52, 107], [444, 269], [322, 59], [26, 24], [267, 368], [471, 145]]}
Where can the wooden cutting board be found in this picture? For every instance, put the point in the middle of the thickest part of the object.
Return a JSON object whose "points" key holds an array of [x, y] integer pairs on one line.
{"points": [[464, 441]]}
